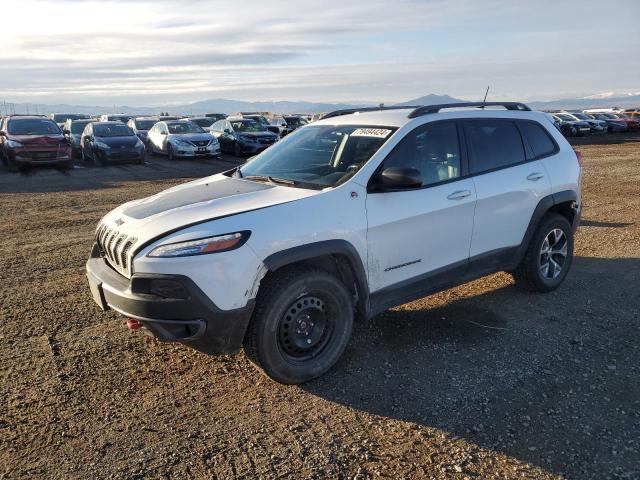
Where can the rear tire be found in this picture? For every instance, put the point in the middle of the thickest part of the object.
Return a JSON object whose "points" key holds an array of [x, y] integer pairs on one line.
{"points": [[548, 257], [301, 324]]}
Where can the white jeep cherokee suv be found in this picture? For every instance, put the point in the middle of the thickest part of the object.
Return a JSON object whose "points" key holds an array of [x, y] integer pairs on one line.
{"points": [[351, 215]]}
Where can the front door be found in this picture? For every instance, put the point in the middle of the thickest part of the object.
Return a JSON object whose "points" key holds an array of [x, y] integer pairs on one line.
{"points": [[416, 234]]}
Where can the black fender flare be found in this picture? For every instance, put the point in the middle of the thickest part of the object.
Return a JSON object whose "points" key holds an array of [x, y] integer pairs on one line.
{"points": [[323, 248]]}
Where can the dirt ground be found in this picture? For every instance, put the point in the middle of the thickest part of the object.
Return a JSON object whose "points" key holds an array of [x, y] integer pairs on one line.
{"points": [[481, 381]]}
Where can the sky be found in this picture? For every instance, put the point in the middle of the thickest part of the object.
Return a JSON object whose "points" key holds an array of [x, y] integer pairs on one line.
{"points": [[163, 52]]}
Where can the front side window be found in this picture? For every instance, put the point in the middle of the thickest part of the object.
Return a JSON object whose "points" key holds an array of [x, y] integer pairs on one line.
{"points": [[538, 139], [218, 126], [319, 156], [33, 126], [432, 149], [494, 143]]}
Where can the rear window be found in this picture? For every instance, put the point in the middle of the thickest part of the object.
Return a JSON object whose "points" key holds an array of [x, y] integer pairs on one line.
{"points": [[494, 144], [538, 138]]}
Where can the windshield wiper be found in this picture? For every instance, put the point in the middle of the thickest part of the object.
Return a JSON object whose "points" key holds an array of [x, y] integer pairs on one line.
{"points": [[284, 181]]}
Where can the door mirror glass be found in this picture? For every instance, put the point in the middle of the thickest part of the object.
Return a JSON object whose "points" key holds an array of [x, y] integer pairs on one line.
{"points": [[394, 178]]}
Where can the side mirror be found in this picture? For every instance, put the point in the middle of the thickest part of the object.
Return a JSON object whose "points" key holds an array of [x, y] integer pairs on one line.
{"points": [[398, 178], [226, 130], [3, 133], [164, 133], [66, 131], [87, 138]]}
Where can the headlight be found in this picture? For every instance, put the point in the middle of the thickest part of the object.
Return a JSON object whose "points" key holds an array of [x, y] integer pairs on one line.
{"points": [[14, 144], [102, 145], [214, 141], [219, 243]]}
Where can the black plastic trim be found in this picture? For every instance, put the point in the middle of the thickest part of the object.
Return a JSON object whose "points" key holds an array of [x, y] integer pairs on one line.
{"points": [[427, 109], [172, 319], [318, 249]]}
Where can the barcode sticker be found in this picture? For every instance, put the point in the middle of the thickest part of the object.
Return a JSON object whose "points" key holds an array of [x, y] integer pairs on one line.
{"points": [[371, 132]]}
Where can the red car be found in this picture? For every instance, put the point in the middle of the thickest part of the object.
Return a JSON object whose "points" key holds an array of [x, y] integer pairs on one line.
{"points": [[33, 140], [632, 123]]}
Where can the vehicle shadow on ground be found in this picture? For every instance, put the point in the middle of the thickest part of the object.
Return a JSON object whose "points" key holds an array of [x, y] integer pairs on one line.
{"points": [[604, 139], [85, 176], [548, 379]]}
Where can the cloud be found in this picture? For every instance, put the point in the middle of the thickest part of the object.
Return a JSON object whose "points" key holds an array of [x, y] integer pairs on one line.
{"points": [[88, 51]]}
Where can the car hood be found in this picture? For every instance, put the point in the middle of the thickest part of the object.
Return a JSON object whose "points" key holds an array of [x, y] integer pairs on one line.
{"points": [[37, 139], [195, 202], [116, 142], [192, 137], [257, 134]]}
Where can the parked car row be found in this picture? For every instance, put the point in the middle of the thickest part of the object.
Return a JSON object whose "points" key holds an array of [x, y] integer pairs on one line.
{"points": [[578, 123]]}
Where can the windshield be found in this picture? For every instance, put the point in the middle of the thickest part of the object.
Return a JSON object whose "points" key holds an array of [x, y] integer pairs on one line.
{"points": [[258, 118], [581, 116], [118, 118], [567, 118], [323, 155], [203, 122], [62, 117], [78, 127], [33, 126], [182, 128], [247, 126], [112, 130], [145, 124], [295, 121]]}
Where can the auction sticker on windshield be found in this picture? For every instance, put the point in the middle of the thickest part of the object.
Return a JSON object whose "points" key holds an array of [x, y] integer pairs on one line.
{"points": [[371, 132]]}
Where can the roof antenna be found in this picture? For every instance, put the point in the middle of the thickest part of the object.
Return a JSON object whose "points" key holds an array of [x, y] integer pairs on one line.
{"points": [[485, 96]]}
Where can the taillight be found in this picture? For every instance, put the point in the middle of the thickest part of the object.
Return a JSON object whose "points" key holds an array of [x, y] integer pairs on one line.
{"points": [[579, 157]]}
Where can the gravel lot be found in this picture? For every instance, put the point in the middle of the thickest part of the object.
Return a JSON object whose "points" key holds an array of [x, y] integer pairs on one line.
{"points": [[481, 381]]}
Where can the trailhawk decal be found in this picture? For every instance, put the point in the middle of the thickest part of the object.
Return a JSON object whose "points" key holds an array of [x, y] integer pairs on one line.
{"points": [[371, 132]]}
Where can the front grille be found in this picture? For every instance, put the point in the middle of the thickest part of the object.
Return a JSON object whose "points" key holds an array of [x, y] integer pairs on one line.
{"points": [[201, 143], [115, 248]]}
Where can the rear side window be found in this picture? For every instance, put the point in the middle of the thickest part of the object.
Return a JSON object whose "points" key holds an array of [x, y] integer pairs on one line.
{"points": [[494, 143], [538, 139]]}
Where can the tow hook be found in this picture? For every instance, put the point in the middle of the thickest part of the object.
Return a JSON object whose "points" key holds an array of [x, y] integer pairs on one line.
{"points": [[133, 324]]}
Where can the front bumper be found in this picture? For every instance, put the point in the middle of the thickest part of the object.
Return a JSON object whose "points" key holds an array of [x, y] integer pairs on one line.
{"points": [[38, 157], [192, 319], [193, 152]]}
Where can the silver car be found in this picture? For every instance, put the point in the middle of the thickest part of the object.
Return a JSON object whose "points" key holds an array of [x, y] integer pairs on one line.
{"points": [[182, 139]]}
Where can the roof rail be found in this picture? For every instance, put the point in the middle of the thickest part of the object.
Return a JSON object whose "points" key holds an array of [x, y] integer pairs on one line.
{"points": [[349, 111], [436, 108]]}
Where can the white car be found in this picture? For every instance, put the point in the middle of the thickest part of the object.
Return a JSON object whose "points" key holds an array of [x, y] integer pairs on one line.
{"points": [[351, 215], [182, 139]]}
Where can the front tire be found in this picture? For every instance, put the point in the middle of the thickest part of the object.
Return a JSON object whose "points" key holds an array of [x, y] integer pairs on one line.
{"points": [[301, 324], [170, 155], [548, 257]]}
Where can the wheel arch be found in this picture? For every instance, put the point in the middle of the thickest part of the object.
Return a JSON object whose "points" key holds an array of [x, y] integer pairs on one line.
{"points": [[338, 257], [562, 203]]}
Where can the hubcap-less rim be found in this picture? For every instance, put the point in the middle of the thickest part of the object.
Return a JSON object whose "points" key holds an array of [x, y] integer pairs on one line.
{"points": [[553, 254], [305, 328]]}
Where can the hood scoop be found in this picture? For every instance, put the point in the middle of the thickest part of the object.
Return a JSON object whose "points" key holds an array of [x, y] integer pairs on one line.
{"points": [[190, 194]]}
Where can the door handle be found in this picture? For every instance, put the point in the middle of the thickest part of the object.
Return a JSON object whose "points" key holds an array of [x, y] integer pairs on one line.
{"points": [[535, 176], [459, 195]]}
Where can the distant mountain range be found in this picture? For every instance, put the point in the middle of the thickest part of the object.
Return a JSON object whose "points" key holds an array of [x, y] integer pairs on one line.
{"points": [[608, 99]]}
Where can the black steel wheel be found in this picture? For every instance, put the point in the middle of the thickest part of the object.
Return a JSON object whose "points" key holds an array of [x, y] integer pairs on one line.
{"points": [[301, 324]]}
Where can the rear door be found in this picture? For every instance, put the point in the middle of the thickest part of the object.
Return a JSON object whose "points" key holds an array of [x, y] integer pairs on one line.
{"points": [[414, 233], [509, 181]]}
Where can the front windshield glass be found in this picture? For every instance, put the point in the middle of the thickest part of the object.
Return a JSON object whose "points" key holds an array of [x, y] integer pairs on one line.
{"points": [[581, 116], [112, 130], [295, 121], [182, 128], [319, 156], [118, 118], [145, 124], [62, 117], [33, 126], [567, 118], [246, 126], [78, 127], [203, 122]]}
